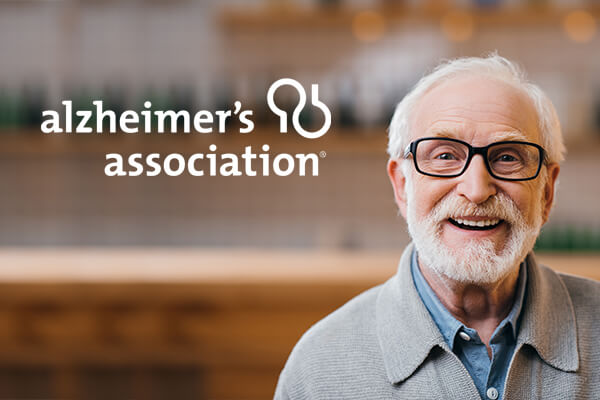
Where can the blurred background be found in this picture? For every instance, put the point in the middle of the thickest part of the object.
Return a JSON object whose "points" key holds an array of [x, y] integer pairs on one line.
{"points": [[198, 287]]}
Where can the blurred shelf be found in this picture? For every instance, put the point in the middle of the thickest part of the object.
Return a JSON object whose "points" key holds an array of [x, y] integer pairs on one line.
{"points": [[31, 142], [286, 17]]}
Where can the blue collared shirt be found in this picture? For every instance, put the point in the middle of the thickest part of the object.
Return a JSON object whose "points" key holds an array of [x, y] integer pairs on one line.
{"points": [[488, 375]]}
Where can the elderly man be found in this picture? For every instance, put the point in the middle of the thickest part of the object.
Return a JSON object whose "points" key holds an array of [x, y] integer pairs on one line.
{"points": [[474, 158]]}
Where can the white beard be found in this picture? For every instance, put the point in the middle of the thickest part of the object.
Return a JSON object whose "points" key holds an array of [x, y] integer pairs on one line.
{"points": [[477, 261]]}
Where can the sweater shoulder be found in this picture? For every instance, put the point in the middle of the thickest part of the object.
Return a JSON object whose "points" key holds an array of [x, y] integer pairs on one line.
{"points": [[342, 347], [354, 322], [584, 292]]}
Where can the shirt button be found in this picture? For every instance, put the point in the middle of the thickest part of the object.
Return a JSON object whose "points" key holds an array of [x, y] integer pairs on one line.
{"points": [[464, 336], [492, 393]]}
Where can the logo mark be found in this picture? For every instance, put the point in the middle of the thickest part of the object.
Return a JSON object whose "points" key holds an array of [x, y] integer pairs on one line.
{"points": [[296, 114]]}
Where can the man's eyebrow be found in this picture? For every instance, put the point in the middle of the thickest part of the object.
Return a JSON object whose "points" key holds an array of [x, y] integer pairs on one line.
{"points": [[444, 133], [510, 135]]}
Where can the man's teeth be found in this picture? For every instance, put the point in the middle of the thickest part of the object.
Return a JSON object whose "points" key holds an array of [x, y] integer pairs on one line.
{"points": [[482, 223]]}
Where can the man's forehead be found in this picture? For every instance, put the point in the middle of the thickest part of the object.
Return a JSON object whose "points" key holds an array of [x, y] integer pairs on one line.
{"points": [[476, 108]]}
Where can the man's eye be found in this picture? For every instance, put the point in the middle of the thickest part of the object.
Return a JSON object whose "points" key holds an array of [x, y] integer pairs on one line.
{"points": [[445, 156], [506, 158]]}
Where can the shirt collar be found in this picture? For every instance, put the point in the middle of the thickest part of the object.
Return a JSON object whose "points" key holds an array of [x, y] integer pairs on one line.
{"points": [[448, 325], [407, 333], [513, 316]]}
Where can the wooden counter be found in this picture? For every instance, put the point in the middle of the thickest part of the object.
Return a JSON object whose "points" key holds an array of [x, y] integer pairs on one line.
{"points": [[173, 323], [226, 266]]}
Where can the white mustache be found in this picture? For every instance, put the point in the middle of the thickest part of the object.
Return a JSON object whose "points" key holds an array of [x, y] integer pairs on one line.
{"points": [[499, 206]]}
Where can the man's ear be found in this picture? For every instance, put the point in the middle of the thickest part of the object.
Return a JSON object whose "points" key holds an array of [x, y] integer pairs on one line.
{"points": [[549, 190], [398, 183]]}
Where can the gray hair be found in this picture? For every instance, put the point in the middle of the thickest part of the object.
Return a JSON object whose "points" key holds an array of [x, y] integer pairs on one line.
{"points": [[493, 66]]}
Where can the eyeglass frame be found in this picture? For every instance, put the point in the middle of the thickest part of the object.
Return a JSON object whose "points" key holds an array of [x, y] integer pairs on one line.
{"points": [[474, 150]]}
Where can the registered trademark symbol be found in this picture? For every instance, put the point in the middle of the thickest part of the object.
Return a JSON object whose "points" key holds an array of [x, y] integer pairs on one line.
{"points": [[322, 154]]}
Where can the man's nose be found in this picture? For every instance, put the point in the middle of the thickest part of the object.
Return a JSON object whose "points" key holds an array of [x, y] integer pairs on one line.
{"points": [[476, 183]]}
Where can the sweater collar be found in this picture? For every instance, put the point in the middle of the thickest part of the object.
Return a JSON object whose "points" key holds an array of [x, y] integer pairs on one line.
{"points": [[407, 333], [548, 323]]}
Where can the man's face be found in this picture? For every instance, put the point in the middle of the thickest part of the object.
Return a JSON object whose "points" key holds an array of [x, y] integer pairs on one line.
{"points": [[479, 111]]}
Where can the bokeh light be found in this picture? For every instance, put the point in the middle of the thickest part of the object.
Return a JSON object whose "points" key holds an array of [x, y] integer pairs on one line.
{"points": [[580, 26], [368, 26], [458, 26]]}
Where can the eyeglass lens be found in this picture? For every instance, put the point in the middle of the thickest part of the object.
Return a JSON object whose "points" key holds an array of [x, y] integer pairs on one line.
{"points": [[507, 160]]}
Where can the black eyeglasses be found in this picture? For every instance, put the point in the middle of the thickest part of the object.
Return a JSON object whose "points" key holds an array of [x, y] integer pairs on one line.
{"points": [[510, 160]]}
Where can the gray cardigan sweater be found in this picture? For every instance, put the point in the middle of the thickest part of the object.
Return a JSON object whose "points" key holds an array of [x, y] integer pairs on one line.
{"points": [[383, 344]]}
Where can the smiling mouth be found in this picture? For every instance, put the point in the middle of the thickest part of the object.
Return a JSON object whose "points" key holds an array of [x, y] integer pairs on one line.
{"points": [[482, 225]]}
